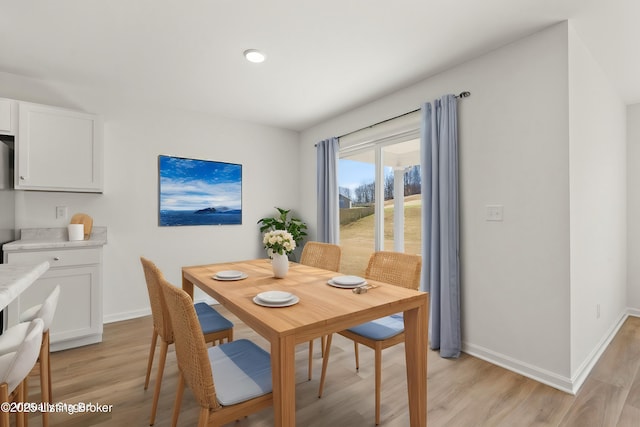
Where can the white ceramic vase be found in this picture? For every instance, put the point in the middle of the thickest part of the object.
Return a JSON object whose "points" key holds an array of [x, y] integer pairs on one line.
{"points": [[280, 265]]}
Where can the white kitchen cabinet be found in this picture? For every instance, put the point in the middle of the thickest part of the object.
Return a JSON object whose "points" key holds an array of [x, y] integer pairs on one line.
{"points": [[8, 116], [58, 150], [78, 271]]}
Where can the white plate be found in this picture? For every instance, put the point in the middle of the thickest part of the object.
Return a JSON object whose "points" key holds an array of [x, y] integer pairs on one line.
{"points": [[275, 297], [338, 285], [244, 276], [229, 274], [348, 280], [293, 301]]}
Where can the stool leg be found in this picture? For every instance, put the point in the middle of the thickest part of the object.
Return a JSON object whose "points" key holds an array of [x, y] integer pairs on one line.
{"points": [[45, 376]]}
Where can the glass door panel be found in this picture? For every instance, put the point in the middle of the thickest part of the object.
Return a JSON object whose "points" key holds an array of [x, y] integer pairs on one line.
{"points": [[380, 202], [402, 206], [356, 178]]}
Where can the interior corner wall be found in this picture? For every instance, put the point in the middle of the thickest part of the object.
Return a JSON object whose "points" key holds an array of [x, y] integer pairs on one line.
{"points": [[598, 185], [135, 133], [633, 208], [514, 151]]}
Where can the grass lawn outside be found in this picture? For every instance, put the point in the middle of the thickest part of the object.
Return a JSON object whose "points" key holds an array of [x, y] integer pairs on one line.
{"points": [[357, 242]]}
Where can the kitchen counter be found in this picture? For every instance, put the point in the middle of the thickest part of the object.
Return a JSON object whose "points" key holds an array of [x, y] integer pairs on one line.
{"points": [[14, 279], [53, 238]]}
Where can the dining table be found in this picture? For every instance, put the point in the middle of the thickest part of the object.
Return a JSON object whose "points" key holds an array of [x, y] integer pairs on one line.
{"points": [[319, 309]]}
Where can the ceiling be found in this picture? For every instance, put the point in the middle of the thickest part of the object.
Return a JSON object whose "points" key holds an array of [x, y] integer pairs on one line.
{"points": [[323, 57]]}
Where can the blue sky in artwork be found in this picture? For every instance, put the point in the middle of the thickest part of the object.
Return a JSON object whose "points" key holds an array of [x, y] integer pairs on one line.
{"points": [[191, 184]]}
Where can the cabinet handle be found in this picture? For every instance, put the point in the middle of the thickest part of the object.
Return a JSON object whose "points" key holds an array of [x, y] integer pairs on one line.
{"points": [[22, 177], [56, 258]]}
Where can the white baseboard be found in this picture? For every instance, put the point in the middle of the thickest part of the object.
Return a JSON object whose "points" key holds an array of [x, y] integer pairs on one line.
{"points": [[566, 384], [635, 312], [126, 315], [585, 369], [541, 375]]}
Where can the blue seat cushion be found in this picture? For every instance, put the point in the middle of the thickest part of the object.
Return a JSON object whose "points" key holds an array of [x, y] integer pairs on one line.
{"points": [[241, 371], [210, 319], [381, 329]]}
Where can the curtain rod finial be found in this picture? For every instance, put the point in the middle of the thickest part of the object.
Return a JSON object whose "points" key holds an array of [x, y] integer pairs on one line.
{"points": [[464, 94]]}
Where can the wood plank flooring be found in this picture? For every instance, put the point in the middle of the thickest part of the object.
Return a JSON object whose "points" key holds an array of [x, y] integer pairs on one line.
{"points": [[462, 392]]}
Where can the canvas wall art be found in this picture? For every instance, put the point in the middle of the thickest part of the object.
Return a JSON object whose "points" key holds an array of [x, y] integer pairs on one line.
{"points": [[198, 192]]}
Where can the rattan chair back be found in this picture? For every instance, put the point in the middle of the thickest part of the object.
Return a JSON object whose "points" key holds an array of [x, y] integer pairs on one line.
{"points": [[153, 276], [396, 268], [191, 350], [321, 255]]}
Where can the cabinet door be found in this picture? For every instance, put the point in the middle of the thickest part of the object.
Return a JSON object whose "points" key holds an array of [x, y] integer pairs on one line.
{"points": [[78, 317], [8, 117], [58, 149]]}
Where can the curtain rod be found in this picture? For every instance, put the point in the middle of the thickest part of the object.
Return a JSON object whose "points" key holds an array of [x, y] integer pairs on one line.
{"points": [[464, 94]]}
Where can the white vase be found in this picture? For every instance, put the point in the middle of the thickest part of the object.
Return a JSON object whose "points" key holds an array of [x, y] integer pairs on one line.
{"points": [[280, 265]]}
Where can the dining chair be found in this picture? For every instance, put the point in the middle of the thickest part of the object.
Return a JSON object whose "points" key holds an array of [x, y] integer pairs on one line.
{"points": [[397, 269], [15, 367], [326, 256], [214, 327], [229, 381], [46, 312]]}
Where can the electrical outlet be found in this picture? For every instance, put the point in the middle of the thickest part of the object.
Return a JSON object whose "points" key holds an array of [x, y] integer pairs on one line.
{"points": [[494, 212], [61, 212]]}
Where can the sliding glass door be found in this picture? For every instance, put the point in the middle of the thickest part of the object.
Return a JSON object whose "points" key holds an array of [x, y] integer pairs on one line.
{"points": [[380, 205]]}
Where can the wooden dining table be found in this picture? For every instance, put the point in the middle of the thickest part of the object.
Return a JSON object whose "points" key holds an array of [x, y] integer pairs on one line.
{"points": [[321, 310]]}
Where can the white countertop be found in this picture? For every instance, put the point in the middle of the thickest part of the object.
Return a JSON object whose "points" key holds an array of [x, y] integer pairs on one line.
{"points": [[53, 238], [15, 278]]}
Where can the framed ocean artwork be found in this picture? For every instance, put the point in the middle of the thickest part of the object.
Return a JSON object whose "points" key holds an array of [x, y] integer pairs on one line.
{"points": [[198, 192]]}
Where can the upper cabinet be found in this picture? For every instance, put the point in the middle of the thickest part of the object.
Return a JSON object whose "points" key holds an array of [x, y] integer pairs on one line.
{"points": [[57, 149], [8, 116]]}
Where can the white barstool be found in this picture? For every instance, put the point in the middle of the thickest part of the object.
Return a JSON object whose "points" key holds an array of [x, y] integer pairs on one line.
{"points": [[16, 365], [44, 311]]}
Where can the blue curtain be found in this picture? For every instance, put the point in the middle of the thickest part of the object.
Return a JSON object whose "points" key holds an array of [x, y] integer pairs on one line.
{"points": [[440, 242], [327, 185]]}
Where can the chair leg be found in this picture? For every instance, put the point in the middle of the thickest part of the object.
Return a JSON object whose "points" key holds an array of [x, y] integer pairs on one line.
{"points": [[378, 362], [357, 354], [178, 402], [310, 359], [156, 394], [203, 419], [325, 362], [45, 378], [154, 340]]}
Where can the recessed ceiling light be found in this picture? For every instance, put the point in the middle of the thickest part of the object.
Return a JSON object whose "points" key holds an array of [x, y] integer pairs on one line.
{"points": [[254, 55]]}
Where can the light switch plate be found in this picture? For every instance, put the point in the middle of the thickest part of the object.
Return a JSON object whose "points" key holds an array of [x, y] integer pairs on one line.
{"points": [[494, 212]]}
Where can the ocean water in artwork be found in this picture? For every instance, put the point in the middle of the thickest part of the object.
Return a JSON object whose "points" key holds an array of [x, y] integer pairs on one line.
{"points": [[199, 192], [174, 218]]}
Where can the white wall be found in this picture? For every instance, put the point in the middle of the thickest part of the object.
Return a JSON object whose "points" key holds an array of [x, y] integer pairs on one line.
{"points": [[633, 204], [134, 135], [514, 151], [598, 185]]}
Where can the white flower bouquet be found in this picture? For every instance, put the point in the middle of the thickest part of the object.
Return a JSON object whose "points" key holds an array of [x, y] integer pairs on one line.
{"points": [[279, 241]]}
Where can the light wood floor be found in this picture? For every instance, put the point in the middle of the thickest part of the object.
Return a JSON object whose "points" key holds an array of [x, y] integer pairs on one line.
{"points": [[463, 392]]}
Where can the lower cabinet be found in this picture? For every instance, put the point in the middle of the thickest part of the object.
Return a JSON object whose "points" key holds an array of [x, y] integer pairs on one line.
{"points": [[78, 317]]}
